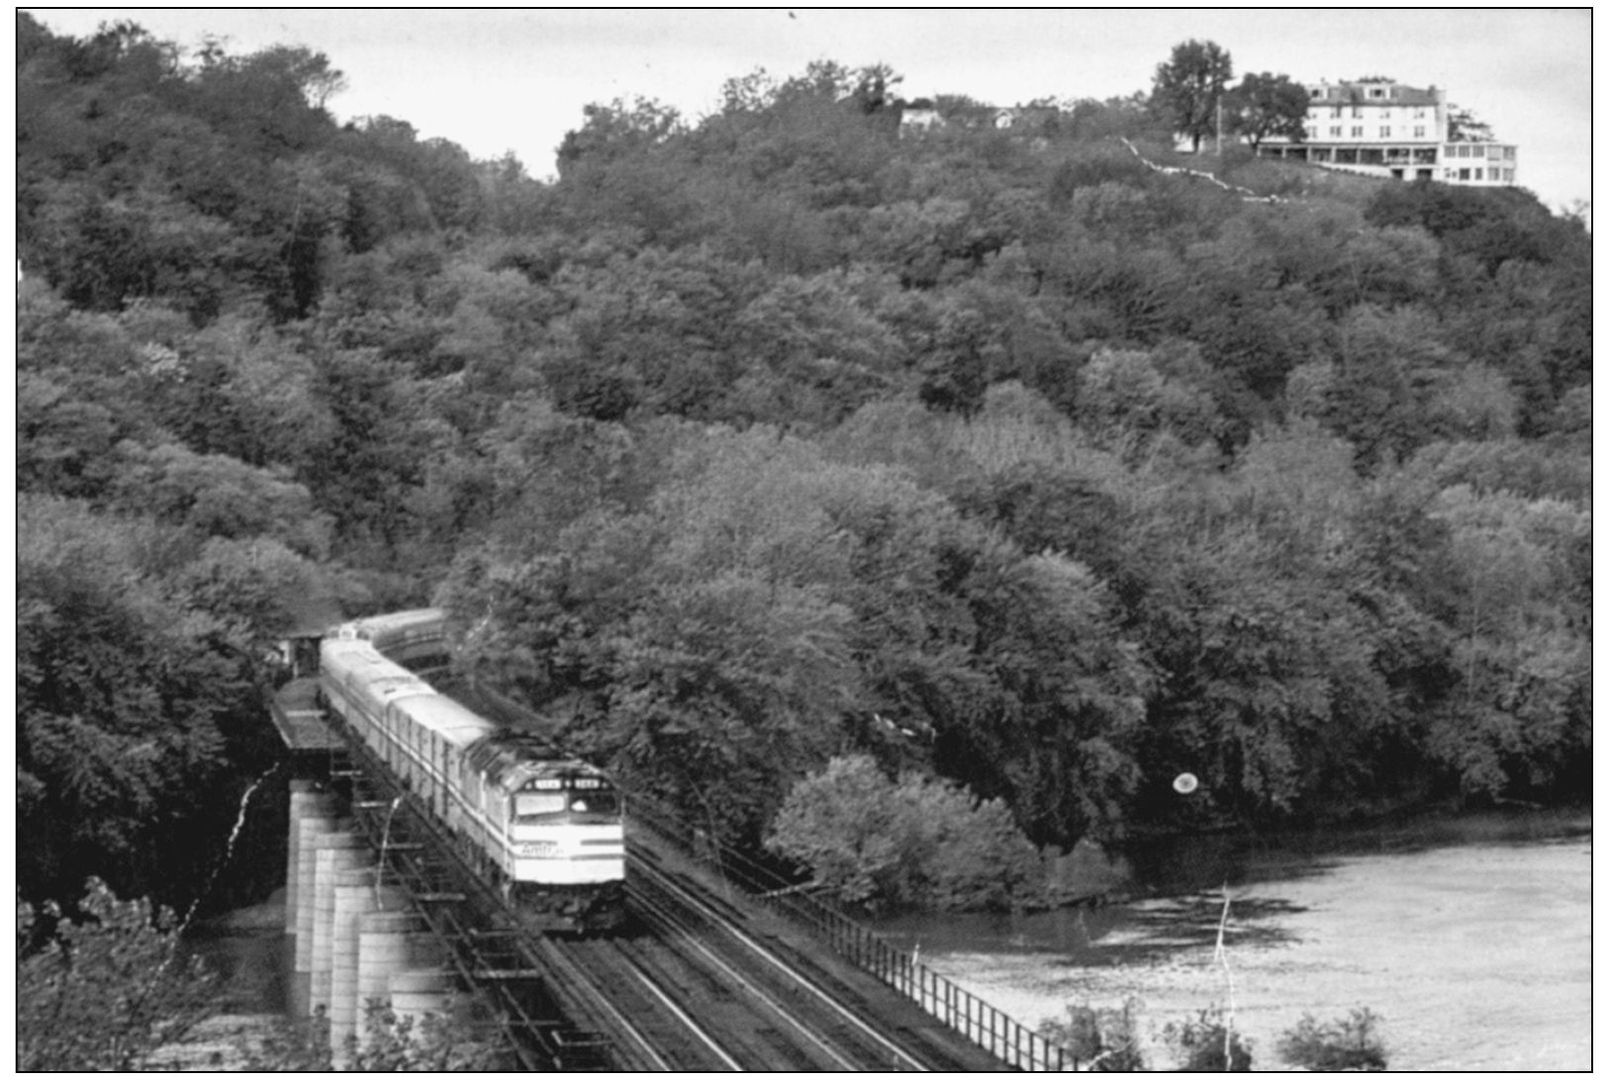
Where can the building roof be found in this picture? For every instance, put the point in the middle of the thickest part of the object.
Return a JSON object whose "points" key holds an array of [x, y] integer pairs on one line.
{"points": [[1358, 93]]}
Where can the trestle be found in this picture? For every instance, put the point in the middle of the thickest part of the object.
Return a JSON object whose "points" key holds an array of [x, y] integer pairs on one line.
{"points": [[386, 912]]}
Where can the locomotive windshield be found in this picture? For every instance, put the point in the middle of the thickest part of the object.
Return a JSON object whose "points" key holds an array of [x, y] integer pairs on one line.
{"points": [[574, 798], [539, 803]]}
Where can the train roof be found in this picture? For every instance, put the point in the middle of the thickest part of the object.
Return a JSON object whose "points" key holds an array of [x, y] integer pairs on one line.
{"points": [[360, 658], [397, 620], [446, 717]]}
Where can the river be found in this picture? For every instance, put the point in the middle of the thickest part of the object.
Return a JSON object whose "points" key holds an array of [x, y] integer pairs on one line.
{"points": [[1471, 941]]}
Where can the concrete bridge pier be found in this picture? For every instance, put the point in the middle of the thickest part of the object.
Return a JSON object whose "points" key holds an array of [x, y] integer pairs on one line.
{"points": [[310, 829], [356, 939], [419, 991], [308, 802], [389, 941], [334, 852], [357, 892]]}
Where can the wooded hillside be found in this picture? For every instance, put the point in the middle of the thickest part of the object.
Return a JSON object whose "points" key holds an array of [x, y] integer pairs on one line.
{"points": [[994, 455]]}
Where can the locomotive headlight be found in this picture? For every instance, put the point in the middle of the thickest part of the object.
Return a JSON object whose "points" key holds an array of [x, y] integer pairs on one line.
{"points": [[542, 849]]}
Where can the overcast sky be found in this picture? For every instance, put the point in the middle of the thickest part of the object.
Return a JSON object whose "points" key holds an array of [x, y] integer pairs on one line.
{"points": [[517, 80]]}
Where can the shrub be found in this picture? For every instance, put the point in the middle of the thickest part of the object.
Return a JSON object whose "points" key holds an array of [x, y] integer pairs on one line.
{"points": [[917, 841], [1100, 1040], [1204, 1042], [1350, 1044]]}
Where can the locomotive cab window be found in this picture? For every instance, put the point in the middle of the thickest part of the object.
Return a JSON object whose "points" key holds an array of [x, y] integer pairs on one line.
{"points": [[535, 804], [599, 801], [549, 798]]}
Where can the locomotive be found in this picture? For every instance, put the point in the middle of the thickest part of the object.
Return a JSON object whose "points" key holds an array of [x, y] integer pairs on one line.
{"points": [[545, 828]]}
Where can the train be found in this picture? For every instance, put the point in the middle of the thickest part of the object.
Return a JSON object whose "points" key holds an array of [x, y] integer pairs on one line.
{"points": [[547, 829]]}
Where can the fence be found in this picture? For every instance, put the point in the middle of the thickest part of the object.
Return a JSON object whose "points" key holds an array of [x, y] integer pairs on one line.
{"points": [[977, 1020]]}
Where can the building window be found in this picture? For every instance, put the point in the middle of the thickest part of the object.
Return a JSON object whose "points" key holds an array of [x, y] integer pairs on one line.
{"points": [[1356, 132], [1316, 92], [1509, 176], [1359, 114], [1387, 131], [1336, 112], [1377, 91], [1493, 172], [1420, 131], [1336, 131], [1420, 114], [1465, 174], [1510, 153]]}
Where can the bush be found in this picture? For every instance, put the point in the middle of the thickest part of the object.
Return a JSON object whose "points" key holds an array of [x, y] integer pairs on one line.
{"points": [[1351, 1044], [919, 841], [1204, 1040], [1100, 1040], [105, 988]]}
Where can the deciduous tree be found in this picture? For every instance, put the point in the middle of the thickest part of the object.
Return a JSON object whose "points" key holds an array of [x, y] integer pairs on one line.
{"points": [[1189, 87], [912, 841], [105, 987], [1264, 105]]}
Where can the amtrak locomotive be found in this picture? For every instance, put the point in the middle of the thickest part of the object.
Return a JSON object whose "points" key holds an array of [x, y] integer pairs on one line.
{"points": [[546, 829]]}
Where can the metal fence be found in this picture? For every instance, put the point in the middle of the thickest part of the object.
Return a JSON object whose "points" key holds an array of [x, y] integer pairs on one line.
{"points": [[982, 1023], [979, 1021]]}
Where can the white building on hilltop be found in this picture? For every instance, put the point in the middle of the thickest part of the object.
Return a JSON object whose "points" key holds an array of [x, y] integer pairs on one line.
{"points": [[1379, 127]]}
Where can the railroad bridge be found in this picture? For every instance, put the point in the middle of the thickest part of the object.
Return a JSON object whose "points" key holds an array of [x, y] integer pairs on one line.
{"points": [[723, 968]]}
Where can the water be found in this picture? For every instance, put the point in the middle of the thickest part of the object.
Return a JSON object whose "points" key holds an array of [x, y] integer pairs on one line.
{"points": [[1475, 952]]}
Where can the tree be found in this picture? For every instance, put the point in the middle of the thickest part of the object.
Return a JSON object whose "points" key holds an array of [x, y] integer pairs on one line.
{"points": [[272, 101], [1520, 720], [912, 841], [217, 495], [128, 703], [1061, 700], [1265, 105], [106, 988], [1188, 88], [614, 130], [1465, 127]]}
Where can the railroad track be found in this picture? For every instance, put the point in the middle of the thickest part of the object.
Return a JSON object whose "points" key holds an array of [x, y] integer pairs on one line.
{"points": [[696, 991], [629, 1003], [785, 1017], [704, 983]]}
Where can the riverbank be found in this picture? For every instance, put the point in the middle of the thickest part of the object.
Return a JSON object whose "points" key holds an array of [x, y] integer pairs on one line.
{"points": [[1475, 953], [1165, 864]]}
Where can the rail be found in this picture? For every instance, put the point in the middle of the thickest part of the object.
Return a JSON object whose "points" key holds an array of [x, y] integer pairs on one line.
{"points": [[963, 1012], [485, 957]]}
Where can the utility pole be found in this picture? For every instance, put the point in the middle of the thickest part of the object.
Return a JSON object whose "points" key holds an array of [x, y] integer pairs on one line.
{"points": [[1219, 125]]}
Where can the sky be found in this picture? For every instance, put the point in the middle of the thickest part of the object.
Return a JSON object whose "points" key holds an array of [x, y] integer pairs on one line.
{"points": [[509, 80]]}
